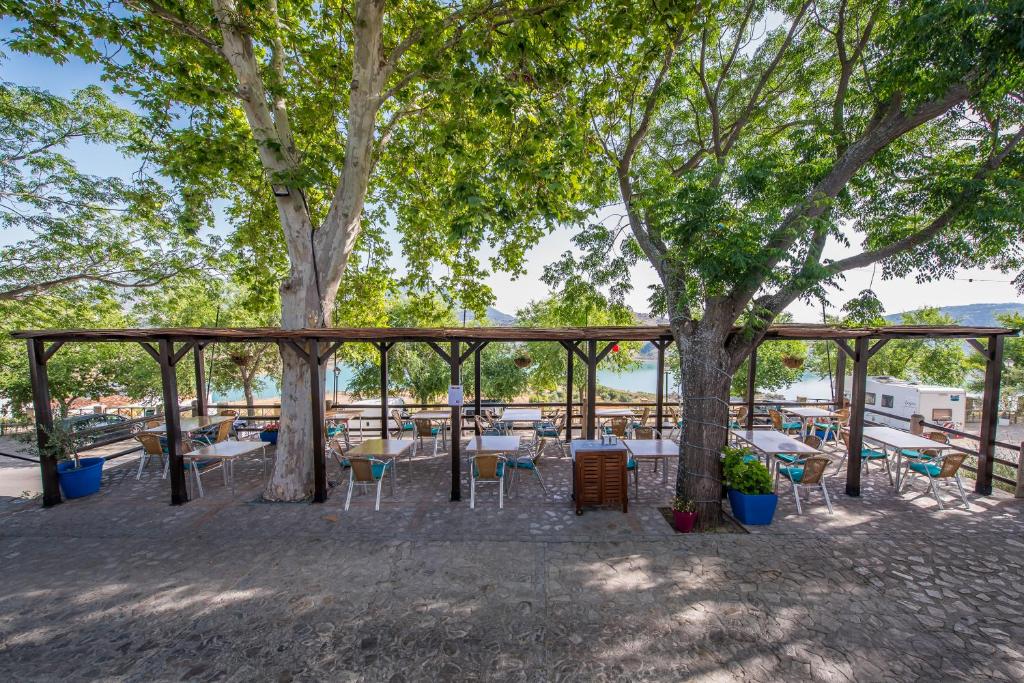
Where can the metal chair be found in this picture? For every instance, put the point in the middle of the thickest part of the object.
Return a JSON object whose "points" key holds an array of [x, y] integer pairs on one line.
{"points": [[151, 447], [425, 429], [404, 425], [528, 461], [487, 468], [866, 455], [781, 425], [552, 429], [366, 473], [807, 473], [617, 426], [941, 468]]}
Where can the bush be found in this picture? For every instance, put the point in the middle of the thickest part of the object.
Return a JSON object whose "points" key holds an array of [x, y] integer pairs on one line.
{"points": [[751, 478], [732, 458]]}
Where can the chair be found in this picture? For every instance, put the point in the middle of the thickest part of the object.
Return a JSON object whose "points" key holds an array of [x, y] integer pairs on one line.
{"points": [[780, 424], [676, 424], [646, 433], [866, 455], [829, 430], [792, 458], [199, 465], [404, 425], [336, 449], [528, 462], [151, 447], [739, 420], [642, 420], [155, 422], [617, 426], [807, 473], [212, 435], [425, 429], [941, 468], [487, 468], [230, 413], [367, 473], [552, 429], [333, 429], [926, 453]]}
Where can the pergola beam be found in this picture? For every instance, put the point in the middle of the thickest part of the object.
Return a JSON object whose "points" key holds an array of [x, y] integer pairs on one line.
{"points": [[855, 442]]}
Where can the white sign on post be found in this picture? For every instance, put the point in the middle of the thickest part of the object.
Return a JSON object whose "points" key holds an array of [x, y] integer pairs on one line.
{"points": [[455, 395]]}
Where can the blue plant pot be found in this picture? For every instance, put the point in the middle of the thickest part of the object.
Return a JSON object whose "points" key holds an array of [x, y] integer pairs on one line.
{"points": [[81, 481], [753, 509], [269, 437]]}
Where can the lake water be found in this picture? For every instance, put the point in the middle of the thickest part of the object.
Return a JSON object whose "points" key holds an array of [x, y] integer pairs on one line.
{"points": [[644, 378]]}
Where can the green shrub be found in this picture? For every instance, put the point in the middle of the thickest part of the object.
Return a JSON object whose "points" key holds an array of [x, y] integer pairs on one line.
{"points": [[751, 478], [733, 457]]}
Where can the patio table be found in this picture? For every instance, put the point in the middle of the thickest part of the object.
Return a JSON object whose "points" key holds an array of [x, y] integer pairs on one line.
{"points": [[193, 424], [613, 412], [653, 449], [900, 440], [442, 416], [770, 442], [808, 414], [228, 452]]}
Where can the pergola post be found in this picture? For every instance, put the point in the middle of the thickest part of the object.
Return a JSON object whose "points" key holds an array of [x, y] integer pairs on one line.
{"points": [[591, 417], [840, 379], [477, 392], [384, 347], [317, 407], [659, 391], [456, 366], [570, 363], [855, 443], [751, 386], [40, 381], [200, 370], [989, 414], [165, 356]]}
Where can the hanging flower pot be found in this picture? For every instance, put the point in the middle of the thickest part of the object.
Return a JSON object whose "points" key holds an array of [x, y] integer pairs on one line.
{"points": [[792, 362], [523, 360]]}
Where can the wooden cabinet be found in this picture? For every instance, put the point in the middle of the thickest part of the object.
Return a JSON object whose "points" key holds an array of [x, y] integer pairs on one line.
{"points": [[599, 478]]}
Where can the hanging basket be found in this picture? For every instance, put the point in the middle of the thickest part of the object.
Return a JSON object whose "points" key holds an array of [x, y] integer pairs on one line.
{"points": [[792, 362], [522, 361]]}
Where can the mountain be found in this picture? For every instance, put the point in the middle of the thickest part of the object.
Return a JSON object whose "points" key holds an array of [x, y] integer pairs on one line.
{"points": [[973, 315], [496, 317]]}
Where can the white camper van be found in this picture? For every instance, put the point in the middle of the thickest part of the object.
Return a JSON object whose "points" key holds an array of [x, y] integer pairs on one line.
{"points": [[946, 406], [370, 428]]}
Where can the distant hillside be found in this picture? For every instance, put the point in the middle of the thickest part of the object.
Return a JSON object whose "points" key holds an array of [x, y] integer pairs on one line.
{"points": [[494, 315], [976, 315]]}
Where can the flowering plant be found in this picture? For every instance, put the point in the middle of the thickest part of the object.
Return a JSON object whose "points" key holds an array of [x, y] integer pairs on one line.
{"points": [[272, 426]]}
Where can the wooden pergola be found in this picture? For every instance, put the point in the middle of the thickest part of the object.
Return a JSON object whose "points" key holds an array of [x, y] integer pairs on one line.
{"points": [[169, 346]]}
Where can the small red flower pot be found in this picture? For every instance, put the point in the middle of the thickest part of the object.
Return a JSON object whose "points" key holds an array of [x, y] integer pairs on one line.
{"points": [[684, 521]]}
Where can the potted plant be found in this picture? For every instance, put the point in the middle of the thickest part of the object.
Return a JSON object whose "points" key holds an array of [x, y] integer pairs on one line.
{"points": [[684, 514], [269, 432], [792, 362], [522, 360], [78, 477], [750, 492]]}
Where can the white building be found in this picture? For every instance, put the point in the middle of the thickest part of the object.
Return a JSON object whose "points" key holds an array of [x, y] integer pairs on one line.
{"points": [[946, 406]]}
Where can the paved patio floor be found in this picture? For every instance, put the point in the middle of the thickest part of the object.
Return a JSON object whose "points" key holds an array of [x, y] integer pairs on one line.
{"points": [[122, 586]]}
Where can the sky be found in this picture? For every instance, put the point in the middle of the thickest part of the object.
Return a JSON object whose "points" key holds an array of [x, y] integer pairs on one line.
{"points": [[974, 286]]}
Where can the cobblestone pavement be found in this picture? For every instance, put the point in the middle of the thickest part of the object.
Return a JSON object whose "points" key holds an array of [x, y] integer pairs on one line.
{"points": [[122, 586]]}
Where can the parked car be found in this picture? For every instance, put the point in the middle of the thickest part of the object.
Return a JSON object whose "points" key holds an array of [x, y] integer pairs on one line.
{"points": [[99, 427]]}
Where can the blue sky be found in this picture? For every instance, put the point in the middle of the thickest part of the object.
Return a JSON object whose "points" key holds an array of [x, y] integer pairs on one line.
{"points": [[897, 295]]}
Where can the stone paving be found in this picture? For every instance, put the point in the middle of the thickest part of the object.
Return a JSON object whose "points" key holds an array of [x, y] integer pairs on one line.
{"points": [[122, 586]]}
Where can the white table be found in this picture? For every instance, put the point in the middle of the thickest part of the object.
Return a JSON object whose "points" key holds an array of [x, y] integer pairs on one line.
{"points": [[900, 440], [194, 424], [613, 412], [653, 449], [808, 414], [227, 452], [520, 415], [770, 442]]}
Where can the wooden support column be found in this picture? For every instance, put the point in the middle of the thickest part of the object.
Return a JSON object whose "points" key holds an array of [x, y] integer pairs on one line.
{"points": [[856, 441], [456, 366], [200, 370], [316, 403], [172, 419], [989, 414], [659, 391], [570, 361], [40, 381], [384, 348], [591, 417], [477, 391], [751, 386], [840, 379]]}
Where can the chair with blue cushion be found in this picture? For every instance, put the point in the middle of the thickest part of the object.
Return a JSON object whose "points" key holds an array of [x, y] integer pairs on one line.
{"points": [[739, 419], [828, 430], [867, 455], [367, 473], [425, 429], [806, 473], [926, 453], [944, 468], [487, 468], [552, 429], [641, 421], [527, 461], [782, 425], [782, 459], [403, 425]]}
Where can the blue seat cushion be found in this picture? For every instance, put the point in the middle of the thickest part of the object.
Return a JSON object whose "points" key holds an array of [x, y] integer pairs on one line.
{"points": [[335, 429], [408, 426], [925, 468], [524, 464], [500, 471], [787, 457], [792, 473], [792, 425], [378, 469], [548, 432], [870, 454], [907, 453], [751, 458], [201, 464], [631, 464]]}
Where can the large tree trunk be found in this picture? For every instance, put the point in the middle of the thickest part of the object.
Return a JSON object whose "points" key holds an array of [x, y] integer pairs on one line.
{"points": [[704, 406], [250, 402]]}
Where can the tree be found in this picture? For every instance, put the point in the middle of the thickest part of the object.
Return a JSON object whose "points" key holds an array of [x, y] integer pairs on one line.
{"points": [[81, 229], [303, 100], [747, 137], [1012, 381], [772, 372]]}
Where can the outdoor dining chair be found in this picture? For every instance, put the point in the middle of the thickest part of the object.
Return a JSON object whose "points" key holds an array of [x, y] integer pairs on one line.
{"points": [[221, 432], [336, 449], [641, 421], [487, 468], [926, 453], [199, 466], [807, 473], [782, 425], [230, 413], [552, 429], [425, 429], [739, 419], [944, 468], [152, 447], [527, 461], [792, 458], [828, 430], [617, 426], [366, 472], [404, 425], [866, 455]]}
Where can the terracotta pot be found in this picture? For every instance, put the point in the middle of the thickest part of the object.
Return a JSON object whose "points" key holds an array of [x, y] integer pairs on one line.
{"points": [[792, 362], [684, 521], [522, 361]]}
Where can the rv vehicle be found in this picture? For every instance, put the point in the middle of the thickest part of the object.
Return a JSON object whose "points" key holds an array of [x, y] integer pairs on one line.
{"points": [[946, 406], [369, 423]]}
